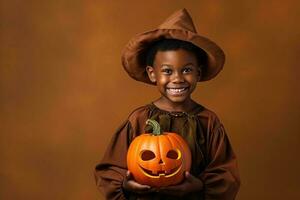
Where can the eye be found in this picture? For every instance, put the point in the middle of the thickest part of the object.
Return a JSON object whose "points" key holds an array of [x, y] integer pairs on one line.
{"points": [[187, 70], [166, 71], [147, 155], [172, 154]]}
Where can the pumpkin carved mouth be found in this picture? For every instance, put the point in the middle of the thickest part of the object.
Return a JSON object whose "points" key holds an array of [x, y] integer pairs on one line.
{"points": [[160, 173]]}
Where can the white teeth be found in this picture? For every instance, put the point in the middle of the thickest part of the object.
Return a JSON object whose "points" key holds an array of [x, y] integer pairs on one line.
{"points": [[176, 90]]}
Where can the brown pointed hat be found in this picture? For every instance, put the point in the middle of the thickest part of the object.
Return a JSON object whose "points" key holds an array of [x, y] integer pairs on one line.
{"points": [[178, 26]]}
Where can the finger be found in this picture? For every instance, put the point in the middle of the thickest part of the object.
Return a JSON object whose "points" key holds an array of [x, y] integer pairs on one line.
{"points": [[126, 178], [143, 187], [126, 182], [189, 176], [128, 174], [151, 190], [139, 187]]}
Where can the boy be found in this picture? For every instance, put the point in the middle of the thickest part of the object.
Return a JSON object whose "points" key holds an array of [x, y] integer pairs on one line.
{"points": [[174, 58]]}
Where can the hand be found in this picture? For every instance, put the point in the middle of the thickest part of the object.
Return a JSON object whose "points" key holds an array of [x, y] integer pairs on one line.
{"points": [[130, 185], [189, 185]]}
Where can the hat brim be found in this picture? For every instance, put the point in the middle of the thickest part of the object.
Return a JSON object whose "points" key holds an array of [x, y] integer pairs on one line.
{"points": [[134, 53]]}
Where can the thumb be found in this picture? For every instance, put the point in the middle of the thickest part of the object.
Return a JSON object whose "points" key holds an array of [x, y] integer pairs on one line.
{"points": [[188, 176], [126, 179], [128, 175]]}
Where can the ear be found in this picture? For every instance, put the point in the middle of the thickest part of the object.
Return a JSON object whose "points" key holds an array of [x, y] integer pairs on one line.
{"points": [[199, 73], [151, 74]]}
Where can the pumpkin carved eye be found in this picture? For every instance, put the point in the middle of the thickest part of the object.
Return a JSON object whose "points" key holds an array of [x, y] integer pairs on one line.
{"points": [[147, 155], [172, 154]]}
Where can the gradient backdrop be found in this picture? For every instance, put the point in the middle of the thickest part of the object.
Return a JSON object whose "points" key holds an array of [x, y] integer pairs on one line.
{"points": [[63, 91]]}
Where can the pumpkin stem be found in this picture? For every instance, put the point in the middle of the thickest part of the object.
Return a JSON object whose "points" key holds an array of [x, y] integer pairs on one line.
{"points": [[155, 126]]}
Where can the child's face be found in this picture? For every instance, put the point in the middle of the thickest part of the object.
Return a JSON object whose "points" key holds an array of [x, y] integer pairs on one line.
{"points": [[176, 74]]}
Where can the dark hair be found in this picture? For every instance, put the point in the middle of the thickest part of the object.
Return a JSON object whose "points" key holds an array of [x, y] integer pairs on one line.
{"points": [[174, 44]]}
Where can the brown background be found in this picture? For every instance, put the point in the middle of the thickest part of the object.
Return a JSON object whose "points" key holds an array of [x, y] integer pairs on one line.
{"points": [[63, 91]]}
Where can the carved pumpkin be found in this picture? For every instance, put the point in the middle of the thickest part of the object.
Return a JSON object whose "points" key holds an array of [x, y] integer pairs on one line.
{"points": [[158, 159]]}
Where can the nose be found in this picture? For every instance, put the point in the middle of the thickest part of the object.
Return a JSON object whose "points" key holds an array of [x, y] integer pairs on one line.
{"points": [[160, 161], [178, 78]]}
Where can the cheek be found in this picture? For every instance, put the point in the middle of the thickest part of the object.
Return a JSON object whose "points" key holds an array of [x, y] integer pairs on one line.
{"points": [[192, 79], [161, 80]]}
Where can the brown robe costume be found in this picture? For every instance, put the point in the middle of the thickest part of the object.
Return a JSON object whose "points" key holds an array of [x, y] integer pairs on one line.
{"points": [[213, 159]]}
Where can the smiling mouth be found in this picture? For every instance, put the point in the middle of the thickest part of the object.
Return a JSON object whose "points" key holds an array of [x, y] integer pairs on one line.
{"points": [[160, 173], [177, 91]]}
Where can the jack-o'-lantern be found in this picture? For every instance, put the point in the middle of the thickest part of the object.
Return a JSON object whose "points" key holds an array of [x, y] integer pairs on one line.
{"points": [[158, 159]]}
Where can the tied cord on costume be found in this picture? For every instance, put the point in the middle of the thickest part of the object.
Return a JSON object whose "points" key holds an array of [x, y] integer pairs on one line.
{"points": [[189, 128]]}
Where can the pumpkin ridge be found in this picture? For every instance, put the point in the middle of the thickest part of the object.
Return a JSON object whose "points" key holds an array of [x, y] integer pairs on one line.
{"points": [[178, 141], [158, 146], [170, 141], [137, 149]]}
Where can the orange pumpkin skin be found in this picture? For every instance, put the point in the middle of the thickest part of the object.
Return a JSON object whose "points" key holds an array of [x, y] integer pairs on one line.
{"points": [[158, 160]]}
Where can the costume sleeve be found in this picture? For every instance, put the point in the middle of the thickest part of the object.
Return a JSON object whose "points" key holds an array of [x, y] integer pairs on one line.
{"points": [[221, 178], [109, 173]]}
